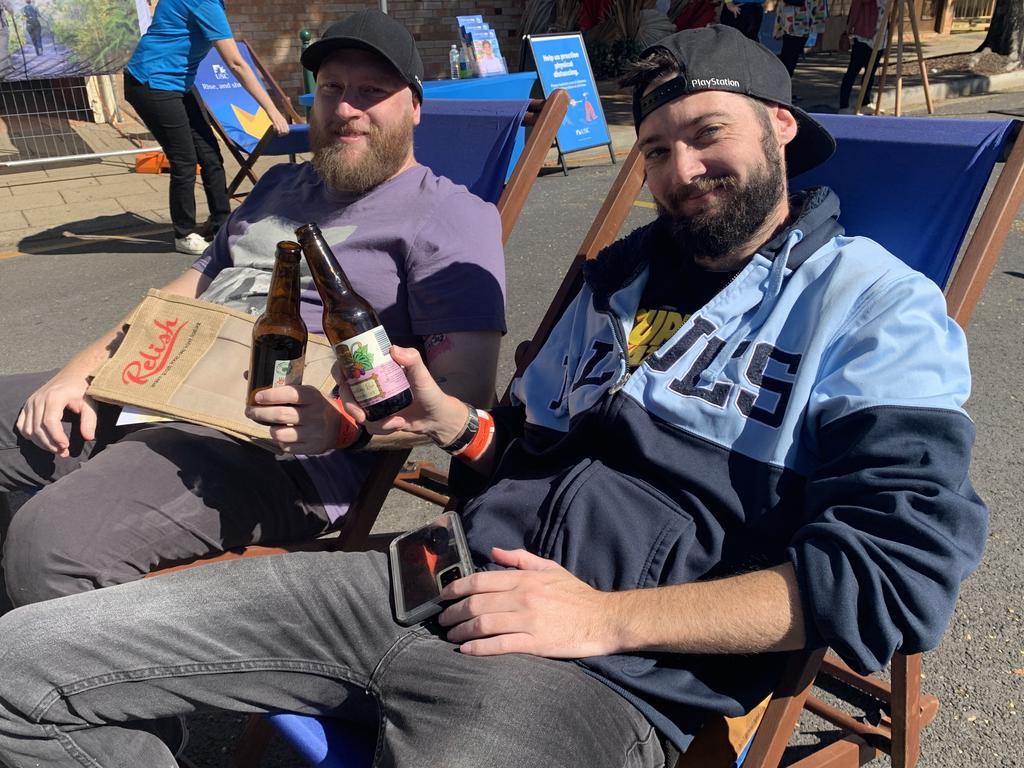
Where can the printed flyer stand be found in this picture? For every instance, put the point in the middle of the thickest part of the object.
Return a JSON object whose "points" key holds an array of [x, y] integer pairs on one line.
{"points": [[561, 62]]}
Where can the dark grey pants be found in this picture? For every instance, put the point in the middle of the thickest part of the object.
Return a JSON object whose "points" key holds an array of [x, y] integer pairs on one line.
{"points": [[306, 633], [137, 499]]}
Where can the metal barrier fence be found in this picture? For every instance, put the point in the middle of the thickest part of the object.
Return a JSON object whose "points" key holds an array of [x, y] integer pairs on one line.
{"points": [[37, 117], [50, 121]]}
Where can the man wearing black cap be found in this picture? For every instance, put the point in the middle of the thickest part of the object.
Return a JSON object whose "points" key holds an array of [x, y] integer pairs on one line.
{"points": [[174, 492], [653, 517]]}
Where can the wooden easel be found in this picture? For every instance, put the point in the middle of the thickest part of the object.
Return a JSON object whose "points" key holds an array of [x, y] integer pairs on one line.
{"points": [[894, 18]]}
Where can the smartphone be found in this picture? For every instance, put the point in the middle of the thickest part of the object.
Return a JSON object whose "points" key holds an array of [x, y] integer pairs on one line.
{"points": [[424, 561]]}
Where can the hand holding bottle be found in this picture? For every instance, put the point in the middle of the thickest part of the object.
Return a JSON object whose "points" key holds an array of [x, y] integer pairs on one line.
{"points": [[432, 413], [302, 419], [355, 331]]}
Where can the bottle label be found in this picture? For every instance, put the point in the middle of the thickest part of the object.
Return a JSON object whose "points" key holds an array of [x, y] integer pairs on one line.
{"points": [[370, 372], [288, 372]]}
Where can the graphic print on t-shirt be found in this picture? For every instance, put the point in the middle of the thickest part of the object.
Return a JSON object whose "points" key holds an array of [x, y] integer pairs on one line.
{"points": [[245, 284], [651, 329], [675, 289]]}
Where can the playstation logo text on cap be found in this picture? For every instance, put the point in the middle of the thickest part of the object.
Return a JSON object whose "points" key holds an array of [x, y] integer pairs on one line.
{"points": [[720, 58]]}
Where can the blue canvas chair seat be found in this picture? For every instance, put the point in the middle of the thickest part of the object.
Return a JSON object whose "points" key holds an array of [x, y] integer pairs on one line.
{"points": [[914, 185], [470, 142], [241, 122], [911, 184], [323, 742], [326, 743], [295, 142]]}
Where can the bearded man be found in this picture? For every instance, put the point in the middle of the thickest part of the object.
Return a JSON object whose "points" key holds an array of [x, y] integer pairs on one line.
{"points": [[425, 252], [787, 468]]}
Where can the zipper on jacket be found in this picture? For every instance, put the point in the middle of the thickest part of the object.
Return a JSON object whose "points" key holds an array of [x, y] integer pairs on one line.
{"points": [[624, 345], [620, 340]]}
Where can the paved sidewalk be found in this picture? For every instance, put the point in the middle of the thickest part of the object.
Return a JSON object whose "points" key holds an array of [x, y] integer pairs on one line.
{"points": [[45, 206]]}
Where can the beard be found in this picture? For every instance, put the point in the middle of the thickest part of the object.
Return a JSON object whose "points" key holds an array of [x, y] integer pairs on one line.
{"points": [[344, 169], [710, 237]]}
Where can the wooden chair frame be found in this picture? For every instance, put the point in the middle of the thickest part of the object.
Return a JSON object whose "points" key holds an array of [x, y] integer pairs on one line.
{"points": [[247, 162]]}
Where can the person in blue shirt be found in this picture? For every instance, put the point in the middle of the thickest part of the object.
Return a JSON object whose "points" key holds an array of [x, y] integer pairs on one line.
{"points": [[157, 83]]}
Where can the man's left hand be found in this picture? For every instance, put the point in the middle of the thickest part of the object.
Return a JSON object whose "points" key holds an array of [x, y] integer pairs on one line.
{"points": [[538, 608], [302, 419]]}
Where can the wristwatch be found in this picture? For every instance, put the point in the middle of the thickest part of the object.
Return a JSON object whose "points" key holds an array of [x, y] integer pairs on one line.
{"points": [[465, 437]]}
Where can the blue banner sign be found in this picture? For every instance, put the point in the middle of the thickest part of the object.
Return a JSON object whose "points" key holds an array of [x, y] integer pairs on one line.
{"points": [[561, 62]]}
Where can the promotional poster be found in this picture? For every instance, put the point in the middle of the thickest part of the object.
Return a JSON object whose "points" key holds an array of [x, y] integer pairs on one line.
{"points": [[48, 39], [561, 62]]}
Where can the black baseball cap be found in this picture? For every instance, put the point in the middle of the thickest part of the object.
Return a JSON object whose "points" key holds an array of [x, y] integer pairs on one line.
{"points": [[720, 58], [373, 31]]}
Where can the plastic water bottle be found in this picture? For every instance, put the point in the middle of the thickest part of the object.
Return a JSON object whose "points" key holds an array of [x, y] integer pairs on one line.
{"points": [[453, 62]]}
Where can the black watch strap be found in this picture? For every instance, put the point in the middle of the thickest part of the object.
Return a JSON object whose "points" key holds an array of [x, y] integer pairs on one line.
{"points": [[359, 442], [466, 436]]}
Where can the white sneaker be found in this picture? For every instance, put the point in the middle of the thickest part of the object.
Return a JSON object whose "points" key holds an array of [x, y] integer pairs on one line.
{"points": [[192, 244]]}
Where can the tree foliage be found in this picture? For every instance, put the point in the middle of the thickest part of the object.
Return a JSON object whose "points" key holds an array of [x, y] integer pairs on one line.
{"points": [[100, 34]]}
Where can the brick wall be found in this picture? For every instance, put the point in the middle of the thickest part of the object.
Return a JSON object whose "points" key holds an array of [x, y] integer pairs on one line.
{"points": [[272, 29]]}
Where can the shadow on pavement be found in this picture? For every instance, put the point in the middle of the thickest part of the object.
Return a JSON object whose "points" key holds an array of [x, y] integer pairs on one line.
{"points": [[121, 233]]}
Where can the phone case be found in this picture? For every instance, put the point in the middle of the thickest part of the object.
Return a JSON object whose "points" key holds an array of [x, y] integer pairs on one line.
{"points": [[422, 562]]}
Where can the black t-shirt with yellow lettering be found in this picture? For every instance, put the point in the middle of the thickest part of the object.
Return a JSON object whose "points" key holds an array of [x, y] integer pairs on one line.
{"points": [[676, 288]]}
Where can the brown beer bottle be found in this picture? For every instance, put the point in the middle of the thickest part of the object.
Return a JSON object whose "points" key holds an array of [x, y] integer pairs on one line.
{"points": [[279, 335], [377, 382]]}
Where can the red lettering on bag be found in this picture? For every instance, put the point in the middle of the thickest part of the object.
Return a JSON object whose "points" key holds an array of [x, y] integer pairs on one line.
{"points": [[154, 358]]}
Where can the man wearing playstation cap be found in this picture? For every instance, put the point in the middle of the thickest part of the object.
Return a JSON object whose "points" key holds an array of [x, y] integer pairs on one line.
{"points": [[744, 436]]}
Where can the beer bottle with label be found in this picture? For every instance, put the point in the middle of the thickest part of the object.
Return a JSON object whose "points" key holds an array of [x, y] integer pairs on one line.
{"points": [[377, 382], [279, 335]]}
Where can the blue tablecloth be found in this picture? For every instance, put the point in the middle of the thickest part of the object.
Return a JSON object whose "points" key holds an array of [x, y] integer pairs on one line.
{"points": [[514, 86]]}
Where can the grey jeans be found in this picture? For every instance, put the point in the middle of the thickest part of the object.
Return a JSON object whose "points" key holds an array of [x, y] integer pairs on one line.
{"points": [[136, 499], [307, 633]]}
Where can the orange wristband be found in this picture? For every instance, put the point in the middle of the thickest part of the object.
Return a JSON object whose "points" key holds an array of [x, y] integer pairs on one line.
{"points": [[348, 431], [481, 440]]}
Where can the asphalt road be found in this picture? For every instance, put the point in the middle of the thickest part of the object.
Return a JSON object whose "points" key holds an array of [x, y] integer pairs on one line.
{"points": [[54, 303]]}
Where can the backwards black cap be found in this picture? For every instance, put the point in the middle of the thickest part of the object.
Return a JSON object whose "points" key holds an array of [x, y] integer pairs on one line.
{"points": [[372, 31], [720, 58]]}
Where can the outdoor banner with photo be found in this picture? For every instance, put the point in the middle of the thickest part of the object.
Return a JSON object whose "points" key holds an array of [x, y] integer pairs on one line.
{"points": [[49, 39]]}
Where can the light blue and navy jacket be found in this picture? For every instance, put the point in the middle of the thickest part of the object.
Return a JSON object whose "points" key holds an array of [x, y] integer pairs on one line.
{"points": [[810, 412]]}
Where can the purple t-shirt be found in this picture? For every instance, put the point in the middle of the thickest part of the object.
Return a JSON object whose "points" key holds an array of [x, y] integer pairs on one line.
{"points": [[425, 252]]}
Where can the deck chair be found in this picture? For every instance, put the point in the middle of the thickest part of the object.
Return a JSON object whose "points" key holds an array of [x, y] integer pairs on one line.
{"points": [[241, 123], [894, 177]]}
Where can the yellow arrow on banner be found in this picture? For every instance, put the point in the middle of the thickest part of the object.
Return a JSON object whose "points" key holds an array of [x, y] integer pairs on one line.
{"points": [[255, 125]]}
